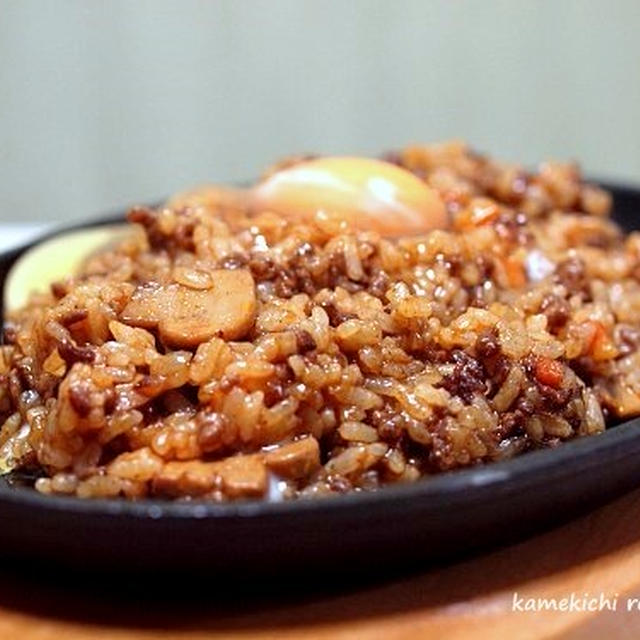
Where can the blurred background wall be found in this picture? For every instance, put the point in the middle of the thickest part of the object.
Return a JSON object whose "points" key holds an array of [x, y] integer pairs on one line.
{"points": [[103, 103]]}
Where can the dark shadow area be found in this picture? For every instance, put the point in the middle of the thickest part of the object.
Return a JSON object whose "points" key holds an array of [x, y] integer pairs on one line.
{"points": [[219, 603]]}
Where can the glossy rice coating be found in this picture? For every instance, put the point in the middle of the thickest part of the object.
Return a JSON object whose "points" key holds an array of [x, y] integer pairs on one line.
{"points": [[225, 352]]}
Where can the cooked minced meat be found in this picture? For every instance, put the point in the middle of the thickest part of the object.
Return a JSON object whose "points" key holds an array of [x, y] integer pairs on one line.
{"points": [[300, 343]]}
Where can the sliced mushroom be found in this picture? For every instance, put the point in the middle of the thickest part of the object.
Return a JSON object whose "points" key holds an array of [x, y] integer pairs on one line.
{"points": [[187, 317], [295, 460], [147, 305]]}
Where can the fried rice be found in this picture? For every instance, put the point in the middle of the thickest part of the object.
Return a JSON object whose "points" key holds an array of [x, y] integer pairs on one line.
{"points": [[223, 353]]}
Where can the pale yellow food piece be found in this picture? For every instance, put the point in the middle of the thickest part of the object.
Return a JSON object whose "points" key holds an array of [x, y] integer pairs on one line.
{"points": [[369, 195], [56, 259]]}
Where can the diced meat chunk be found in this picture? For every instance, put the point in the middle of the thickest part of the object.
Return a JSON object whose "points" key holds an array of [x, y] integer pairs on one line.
{"points": [[140, 465], [243, 476]]}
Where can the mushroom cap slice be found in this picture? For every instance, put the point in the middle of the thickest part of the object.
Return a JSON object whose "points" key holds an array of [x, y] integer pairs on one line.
{"points": [[187, 317]]}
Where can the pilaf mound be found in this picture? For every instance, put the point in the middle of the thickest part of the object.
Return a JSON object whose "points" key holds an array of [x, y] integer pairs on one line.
{"points": [[224, 353]]}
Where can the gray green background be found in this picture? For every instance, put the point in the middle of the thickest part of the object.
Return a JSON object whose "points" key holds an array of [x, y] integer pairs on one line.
{"points": [[107, 103]]}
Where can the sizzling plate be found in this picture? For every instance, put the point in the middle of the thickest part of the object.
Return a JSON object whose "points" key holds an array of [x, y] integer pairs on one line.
{"points": [[448, 515]]}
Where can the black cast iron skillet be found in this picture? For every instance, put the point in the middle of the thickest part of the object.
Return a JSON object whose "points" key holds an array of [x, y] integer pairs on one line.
{"points": [[449, 515]]}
